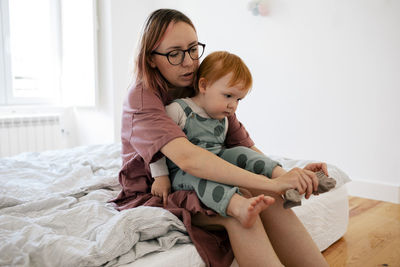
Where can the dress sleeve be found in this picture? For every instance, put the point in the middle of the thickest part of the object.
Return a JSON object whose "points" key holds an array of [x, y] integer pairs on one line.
{"points": [[237, 134], [147, 126]]}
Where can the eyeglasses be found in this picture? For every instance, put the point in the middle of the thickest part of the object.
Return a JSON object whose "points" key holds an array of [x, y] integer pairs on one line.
{"points": [[176, 57]]}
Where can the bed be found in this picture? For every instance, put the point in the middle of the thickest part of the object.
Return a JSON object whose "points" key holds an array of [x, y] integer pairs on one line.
{"points": [[54, 212]]}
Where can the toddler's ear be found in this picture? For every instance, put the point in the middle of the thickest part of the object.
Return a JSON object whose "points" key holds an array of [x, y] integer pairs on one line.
{"points": [[202, 85]]}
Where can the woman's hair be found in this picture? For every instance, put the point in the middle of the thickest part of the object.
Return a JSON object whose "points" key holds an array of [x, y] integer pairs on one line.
{"points": [[218, 64], [152, 35]]}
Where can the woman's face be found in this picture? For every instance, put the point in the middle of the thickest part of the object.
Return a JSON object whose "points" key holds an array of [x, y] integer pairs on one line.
{"points": [[179, 35]]}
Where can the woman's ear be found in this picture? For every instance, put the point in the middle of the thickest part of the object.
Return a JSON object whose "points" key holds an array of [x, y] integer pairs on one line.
{"points": [[202, 85], [151, 62]]}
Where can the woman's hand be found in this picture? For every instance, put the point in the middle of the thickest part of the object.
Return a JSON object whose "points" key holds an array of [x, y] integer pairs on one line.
{"points": [[161, 187], [315, 167], [303, 180]]}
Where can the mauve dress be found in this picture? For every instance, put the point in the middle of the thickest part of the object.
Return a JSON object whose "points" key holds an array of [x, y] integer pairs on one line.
{"points": [[146, 128]]}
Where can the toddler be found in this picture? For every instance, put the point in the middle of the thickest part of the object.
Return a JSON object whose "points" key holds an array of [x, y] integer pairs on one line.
{"points": [[222, 81]]}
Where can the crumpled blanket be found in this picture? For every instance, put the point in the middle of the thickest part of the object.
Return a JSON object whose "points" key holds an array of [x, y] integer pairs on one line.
{"points": [[54, 212]]}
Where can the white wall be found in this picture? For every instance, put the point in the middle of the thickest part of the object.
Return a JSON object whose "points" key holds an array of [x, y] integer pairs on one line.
{"points": [[326, 75]]}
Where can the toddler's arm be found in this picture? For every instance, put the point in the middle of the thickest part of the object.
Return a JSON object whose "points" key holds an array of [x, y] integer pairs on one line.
{"points": [[161, 186], [159, 168]]}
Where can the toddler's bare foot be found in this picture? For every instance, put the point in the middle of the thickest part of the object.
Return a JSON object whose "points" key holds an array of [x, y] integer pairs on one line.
{"points": [[248, 208]]}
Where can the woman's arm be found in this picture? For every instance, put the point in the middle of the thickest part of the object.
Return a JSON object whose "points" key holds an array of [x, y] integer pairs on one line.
{"points": [[314, 167], [202, 163]]}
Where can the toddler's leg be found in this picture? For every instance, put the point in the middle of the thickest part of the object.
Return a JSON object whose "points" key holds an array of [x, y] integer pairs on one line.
{"points": [[249, 159], [246, 210], [214, 195]]}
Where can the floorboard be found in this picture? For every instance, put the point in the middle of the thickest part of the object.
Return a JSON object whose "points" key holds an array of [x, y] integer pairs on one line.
{"points": [[372, 238]]}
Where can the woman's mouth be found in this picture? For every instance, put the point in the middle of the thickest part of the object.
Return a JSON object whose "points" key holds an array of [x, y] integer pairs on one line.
{"points": [[188, 75]]}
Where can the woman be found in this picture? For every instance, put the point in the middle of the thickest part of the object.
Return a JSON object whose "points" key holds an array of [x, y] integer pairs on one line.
{"points": [[166, 66]]}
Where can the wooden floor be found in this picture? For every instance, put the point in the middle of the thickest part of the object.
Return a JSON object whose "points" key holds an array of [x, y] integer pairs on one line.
{"points": [[372, 238]]}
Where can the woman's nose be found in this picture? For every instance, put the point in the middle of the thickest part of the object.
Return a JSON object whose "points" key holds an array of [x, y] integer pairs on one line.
{"points": [[187, 60]]}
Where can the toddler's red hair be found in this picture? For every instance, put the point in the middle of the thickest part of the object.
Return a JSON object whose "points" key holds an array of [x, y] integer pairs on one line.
{"points": [[220, 63]]}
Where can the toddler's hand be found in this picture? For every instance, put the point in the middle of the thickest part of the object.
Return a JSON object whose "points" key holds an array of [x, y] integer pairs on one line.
{"points": [[161, 187]]}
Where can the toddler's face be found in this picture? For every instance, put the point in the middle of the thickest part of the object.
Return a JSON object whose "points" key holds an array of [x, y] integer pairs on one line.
{"points": [[221, 99]]}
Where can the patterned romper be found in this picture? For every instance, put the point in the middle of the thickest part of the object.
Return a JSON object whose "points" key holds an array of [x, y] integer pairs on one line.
{"points": [[209, 134]]}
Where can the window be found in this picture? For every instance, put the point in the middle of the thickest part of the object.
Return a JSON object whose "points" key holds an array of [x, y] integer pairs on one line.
{"points": [[47, 52]]}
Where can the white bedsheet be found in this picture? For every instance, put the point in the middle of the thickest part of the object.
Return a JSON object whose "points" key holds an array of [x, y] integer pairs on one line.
{"points": [[54, 212]]}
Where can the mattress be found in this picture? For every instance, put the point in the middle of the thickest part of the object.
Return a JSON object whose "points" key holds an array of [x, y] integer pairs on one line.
{"points": [[54, 212], [326, 216]]}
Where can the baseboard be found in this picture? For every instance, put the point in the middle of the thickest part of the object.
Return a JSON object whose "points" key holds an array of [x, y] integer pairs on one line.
{"points": [[377, 191]]}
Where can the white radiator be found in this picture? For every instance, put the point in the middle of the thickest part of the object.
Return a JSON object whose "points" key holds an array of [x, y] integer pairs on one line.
{"points": [[33, 133]]}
